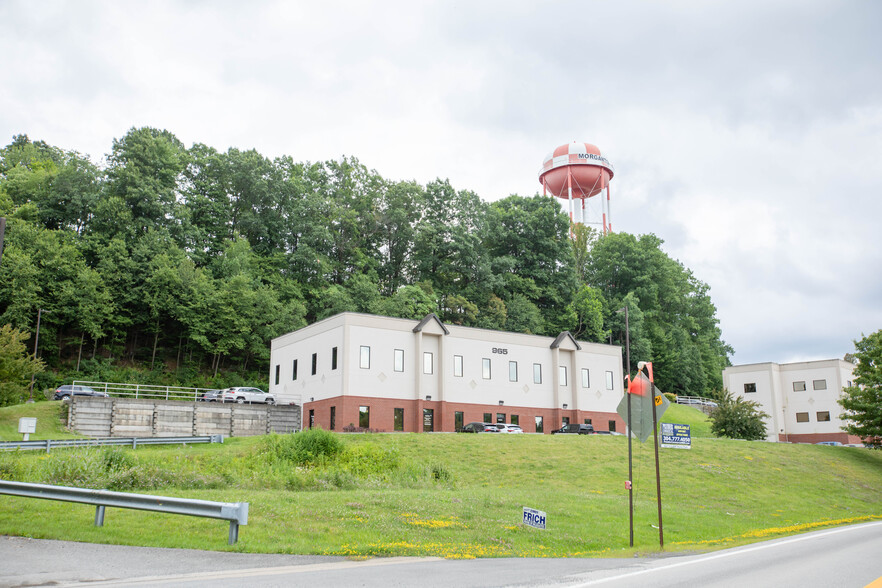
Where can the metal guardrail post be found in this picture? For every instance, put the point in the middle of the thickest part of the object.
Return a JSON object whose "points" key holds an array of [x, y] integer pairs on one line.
{"points": [[99, 515]]}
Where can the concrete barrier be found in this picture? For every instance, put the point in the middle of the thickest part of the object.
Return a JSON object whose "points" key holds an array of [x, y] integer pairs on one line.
{"points": [[129, 417]]}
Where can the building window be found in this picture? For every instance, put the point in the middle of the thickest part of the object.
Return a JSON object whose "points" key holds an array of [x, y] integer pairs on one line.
{"points": [[799, 386], [294, 367], [512, 371], [457, 366], [609, 380], [819, 384], [334, 358], [586, 380], [539, 426], [750, 388], [278, 371], [364, 417], [364, 357], [333, 417], [823, 416], [428, 420], [457, 421], [537, 373], [488, 417], [428, 363], [314, 363], [515, 419], [612, 426], [565, 421], [587, 421], [802, 417], [500, 417], [485, 368], [562, 372], [399, 360], [311, 418], [398, 419]]}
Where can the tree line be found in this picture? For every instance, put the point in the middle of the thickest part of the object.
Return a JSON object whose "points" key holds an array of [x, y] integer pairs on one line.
{"points": [[186, 262]]}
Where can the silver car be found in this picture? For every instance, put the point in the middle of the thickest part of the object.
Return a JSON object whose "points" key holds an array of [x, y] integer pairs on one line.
{"points": [[243, 394]]}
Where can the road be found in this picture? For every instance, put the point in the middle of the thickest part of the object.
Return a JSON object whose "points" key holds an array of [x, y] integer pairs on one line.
{"points": [[844, 556]]}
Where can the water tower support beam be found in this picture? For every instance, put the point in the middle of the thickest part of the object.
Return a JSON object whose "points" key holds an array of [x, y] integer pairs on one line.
{"points": [[570, 193]]}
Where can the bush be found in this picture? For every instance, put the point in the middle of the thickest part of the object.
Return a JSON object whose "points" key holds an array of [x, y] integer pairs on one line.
{"points": [[312, 447], [738, 419]]}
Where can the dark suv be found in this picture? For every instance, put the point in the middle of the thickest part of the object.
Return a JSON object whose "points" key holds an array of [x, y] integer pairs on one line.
{"points": [[68, 390], [574, 429]]}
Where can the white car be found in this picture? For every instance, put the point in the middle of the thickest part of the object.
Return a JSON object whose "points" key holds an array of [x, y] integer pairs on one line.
{"points": [[509, 428], [243, 394]]}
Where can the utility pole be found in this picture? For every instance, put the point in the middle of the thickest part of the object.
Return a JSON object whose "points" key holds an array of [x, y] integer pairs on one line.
{"points": [[36, 343], [630, 484]]}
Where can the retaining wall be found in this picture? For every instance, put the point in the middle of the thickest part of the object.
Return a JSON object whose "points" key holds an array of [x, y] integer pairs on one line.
{"points": [[132, 417]]}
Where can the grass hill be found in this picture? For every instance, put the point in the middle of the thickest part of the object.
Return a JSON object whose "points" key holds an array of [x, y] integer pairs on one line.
{"points": [[454, 495]]}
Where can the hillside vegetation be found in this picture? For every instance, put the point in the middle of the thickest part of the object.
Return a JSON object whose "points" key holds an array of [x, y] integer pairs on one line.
{"points": [[456, 495], [177, 266]]}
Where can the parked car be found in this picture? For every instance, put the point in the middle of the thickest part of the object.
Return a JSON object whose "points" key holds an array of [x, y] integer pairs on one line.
{"points": [[243, 394], [480, 428], [831, 443], [509, 428], [574, 429], [68, 390], [210, 396]]}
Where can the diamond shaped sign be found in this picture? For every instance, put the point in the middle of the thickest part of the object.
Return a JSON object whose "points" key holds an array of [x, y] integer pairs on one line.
{"points": [[641, 393]]}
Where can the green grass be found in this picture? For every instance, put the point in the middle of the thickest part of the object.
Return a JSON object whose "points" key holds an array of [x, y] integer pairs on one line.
{"points": [[51, 417], [459, 495]]}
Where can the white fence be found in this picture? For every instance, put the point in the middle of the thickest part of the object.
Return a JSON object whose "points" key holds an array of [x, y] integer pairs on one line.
{"points": [[146, 390]]}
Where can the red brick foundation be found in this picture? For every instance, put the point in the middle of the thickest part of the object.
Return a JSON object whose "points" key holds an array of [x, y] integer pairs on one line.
{"points": [[382, 411]]}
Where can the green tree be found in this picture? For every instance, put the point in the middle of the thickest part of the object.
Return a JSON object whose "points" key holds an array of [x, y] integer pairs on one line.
{"points": [[16, 366], [862, 401], [738, 418]]}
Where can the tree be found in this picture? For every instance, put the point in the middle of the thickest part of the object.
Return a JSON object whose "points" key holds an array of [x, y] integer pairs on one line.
{"points": [[863, 400], [16, 366], [738, 418]]}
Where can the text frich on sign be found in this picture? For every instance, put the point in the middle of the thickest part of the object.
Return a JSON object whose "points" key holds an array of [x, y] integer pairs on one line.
{"points": [[534, 518]]}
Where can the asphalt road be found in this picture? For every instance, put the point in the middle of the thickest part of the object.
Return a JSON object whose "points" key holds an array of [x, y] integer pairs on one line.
{"points": [[845, 556]]}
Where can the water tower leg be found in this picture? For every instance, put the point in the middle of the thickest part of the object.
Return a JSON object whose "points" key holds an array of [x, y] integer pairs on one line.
{"points": [[608, 209], [570, 193]]}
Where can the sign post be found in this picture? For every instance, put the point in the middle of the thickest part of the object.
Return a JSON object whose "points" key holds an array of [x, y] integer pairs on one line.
{"points": [[647, 407]]}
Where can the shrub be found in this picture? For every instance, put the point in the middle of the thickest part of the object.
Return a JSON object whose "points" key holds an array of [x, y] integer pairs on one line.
{"points": [[308, 448], [738, 418]]}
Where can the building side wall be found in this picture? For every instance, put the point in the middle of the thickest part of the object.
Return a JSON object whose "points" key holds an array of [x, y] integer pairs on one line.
{"points": [[798, 396]]}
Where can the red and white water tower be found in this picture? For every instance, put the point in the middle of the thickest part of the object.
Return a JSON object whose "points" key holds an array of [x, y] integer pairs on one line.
{"points": [[575, 172]]}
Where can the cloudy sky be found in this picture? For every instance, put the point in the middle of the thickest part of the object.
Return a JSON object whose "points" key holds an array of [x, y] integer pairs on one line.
{"points": [[747, 135]]}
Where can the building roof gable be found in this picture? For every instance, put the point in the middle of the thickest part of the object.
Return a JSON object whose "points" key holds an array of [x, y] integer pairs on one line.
{"points": [[566, 341], [432, 325]]}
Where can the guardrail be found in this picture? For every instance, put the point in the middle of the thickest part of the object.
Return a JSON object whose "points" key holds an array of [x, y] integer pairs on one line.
{"points": [[151, 391], [235, 512], [146, 390], [134, 442], [696, 401]]}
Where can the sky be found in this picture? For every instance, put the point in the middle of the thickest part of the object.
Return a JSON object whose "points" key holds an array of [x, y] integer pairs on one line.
{"points": [[747, 135]]}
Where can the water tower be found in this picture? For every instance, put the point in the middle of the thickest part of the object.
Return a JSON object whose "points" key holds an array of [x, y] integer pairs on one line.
{"points": [[576, 172]]}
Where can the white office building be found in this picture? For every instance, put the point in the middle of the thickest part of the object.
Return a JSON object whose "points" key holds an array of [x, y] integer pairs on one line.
{"points": [[800, 398], [359, 371]]}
